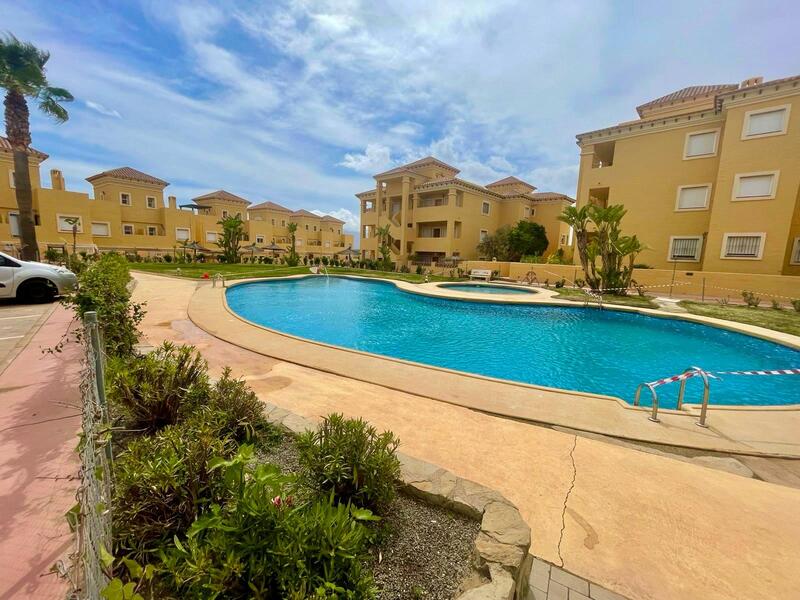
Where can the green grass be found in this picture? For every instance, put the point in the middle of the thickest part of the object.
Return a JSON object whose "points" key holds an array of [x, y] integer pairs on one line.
{"points": [[574, 295], [786, 320], [243, 271]]}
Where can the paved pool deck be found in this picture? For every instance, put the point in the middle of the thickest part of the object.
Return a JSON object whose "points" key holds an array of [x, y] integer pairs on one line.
{"points": [[642, 525]]}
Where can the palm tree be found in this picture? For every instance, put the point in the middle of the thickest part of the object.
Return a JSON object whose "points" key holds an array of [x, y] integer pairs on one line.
{"points": [[382, 233], [292, 259], [22, 74], [578, 219]]}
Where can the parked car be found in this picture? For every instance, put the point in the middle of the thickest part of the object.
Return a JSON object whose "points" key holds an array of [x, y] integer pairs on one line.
{"points": [[33, 281]]}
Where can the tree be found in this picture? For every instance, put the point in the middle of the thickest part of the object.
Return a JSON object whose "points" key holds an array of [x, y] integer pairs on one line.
{"points": [[526, 239], [232, 236], [292, 259], [496, 245], [22, 74], [382, 233]]}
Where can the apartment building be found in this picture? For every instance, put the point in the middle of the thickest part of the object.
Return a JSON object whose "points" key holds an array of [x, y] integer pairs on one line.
{"points": [[710, 176], [433, 215], [128, 213]]}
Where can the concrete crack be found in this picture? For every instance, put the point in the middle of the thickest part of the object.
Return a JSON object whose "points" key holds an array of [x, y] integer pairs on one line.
{"points": [[566, 499]]}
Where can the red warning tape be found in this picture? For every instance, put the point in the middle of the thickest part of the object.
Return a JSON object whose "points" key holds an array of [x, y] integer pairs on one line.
{"points": [[713, 375]]}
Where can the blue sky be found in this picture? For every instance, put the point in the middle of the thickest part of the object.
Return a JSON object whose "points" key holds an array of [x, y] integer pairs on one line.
{"points": [[300, 101]]}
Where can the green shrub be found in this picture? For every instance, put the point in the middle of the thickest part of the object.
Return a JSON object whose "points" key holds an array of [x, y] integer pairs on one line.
{"points": [[796, 304], [751, 299], [263, 544], [103, 287], [348, 458], [234, 409], [163, 483], [160, 388]]}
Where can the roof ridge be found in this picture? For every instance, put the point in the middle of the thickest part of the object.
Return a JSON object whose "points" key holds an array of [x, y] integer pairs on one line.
{"points": [[130, 174], [5, 146]]}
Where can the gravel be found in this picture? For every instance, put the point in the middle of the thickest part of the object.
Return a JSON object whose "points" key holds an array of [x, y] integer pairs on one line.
{"points": [[423, 551]]}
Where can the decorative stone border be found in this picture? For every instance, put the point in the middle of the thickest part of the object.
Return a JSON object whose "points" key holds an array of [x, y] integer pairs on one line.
{"points": [[501, 548]]}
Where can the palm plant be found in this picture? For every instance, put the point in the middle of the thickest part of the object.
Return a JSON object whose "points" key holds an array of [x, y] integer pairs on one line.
{"points": [[22, 74], [382, 233], [578, 219], [292, 259]]}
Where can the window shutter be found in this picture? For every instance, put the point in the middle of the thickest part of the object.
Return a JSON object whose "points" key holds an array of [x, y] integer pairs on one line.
{"points": [[744, 246], [755, 186], [766, 122], [700, 144], [693, 197]]}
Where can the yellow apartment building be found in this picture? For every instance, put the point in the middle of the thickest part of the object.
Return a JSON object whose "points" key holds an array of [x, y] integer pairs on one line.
{"points": [[128, 213], [435, 216], [710, 176]]}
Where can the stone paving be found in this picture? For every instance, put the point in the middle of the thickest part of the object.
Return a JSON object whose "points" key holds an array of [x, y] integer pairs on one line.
{"points": [[548, 582]]}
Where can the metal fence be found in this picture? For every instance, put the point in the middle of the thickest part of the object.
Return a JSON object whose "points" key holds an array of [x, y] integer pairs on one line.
{"points": [[93, 527]]}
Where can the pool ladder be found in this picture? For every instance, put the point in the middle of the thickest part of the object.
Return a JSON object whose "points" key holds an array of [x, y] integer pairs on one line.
{"points": [[681, 392], [325, 270]]}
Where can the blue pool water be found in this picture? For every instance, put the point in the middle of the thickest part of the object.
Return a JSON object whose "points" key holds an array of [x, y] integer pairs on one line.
{"points": [[485, 289], [606, 352]]}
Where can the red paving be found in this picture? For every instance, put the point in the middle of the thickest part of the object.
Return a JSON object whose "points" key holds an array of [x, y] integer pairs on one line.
{"points": [[39, 423]]}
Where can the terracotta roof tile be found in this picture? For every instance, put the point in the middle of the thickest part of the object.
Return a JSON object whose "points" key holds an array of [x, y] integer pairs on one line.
{"points": [[689, 93], [129, 174], [268, 205], [332, 219], [550, 196], [304, 213], [5, 146], [428, 160], [222, 195]]}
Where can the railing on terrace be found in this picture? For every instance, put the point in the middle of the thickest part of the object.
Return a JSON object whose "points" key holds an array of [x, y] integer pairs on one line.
{"points": [[429, 202]]}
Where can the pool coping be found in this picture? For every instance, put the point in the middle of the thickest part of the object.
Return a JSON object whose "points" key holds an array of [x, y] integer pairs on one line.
{"points": [[505, 398]]}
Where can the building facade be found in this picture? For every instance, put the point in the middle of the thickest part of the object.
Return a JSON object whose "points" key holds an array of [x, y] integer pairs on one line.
{"points": [[709, 175], [128, 213], [435, 216]]}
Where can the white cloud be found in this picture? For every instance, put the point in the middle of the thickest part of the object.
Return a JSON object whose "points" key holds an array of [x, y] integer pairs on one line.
{"points": [[558, 178], [97, 107], [375, 159]]}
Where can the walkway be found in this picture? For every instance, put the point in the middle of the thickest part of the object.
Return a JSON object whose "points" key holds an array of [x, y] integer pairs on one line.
{"points": [[645, 526], [39, 422]]}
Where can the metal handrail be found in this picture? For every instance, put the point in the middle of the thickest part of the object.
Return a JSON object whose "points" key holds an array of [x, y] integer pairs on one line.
{"points": [[654, 413], [706, 394]]}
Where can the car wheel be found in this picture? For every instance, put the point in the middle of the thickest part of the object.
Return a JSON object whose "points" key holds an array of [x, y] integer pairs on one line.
{"points": [[36, 292]]}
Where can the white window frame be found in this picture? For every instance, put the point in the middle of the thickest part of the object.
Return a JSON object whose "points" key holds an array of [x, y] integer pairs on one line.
{"points": [[108, 228], [693, 185], [11, 182], [147, 202], [130, 199], [725, 237], [154, 228], [298, 242], [749, 113], [488, 207], [773, 191], [225, 214], [795, 252], [259, 239], [481, 235], [327, 244], [216, 237], [716, 133], [13, 213], [59, 216], [187, 230], [133, 229], [699, 253]]}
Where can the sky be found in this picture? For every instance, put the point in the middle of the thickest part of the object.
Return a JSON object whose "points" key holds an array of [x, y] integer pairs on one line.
{"points": [[302, 101]]}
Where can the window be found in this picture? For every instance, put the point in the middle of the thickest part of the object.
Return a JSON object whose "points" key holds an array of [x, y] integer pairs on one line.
{"points": [[11, 182], [224, 214], [700, 144], [66, 222], [152, 230], [685, 249], [693, 197], [283, 223], [327, 244], [7, 262], [127, 229], [483, 235], [603, 155], [795, 259], [527, 212], [13, 223], [125, 199], [755, 186], [766, 122], [306, 227], [259, 239], [182, 234], [743, 245], [101, 229], [273, 222], [485, 207], [299, 242], [211, 236], [563, 239], [151, 201]]}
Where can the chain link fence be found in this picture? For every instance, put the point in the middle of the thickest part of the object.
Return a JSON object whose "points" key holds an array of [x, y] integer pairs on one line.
{"points": [[93, 518]]}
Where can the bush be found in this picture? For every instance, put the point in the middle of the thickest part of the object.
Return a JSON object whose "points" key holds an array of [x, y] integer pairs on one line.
{"points": [[420, 270], [751, 299], [796, 304], [160, 388], [262, 544], [103, 287], [776, 304], [234, 409], [162, 483], [349, 459], [168, 258]]}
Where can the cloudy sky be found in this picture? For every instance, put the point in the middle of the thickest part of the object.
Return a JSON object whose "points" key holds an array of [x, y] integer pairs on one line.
{"points": [[301, 101]]}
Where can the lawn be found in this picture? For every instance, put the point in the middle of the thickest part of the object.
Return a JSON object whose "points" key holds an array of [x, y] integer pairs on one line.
{"points": [[243, 271], [786, 320], [575, 295]]}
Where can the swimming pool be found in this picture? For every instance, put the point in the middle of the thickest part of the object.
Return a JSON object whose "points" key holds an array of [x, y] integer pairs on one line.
{"points": [[482, 288], [585, 349]]}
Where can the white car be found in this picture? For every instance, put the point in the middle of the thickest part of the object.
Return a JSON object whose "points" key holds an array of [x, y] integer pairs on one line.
{"points": [[33, 281]]}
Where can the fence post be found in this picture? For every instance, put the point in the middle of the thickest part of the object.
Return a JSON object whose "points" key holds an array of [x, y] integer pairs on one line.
{"points": [[90, 319], [703, 292]]}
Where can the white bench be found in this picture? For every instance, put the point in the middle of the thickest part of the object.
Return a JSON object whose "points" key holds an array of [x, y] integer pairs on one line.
{"points": [[480, 274]]}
